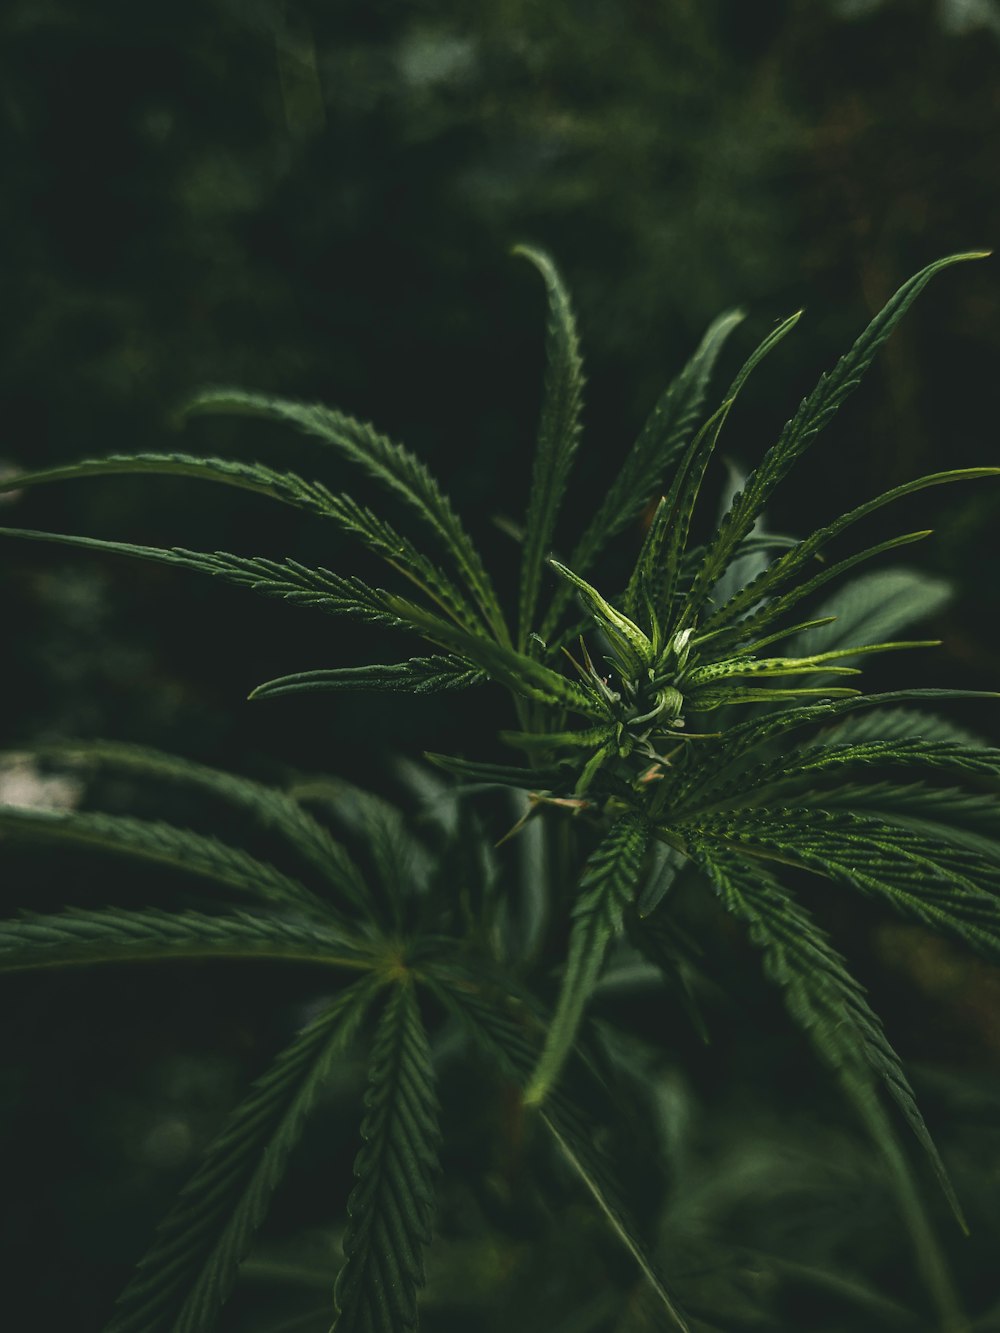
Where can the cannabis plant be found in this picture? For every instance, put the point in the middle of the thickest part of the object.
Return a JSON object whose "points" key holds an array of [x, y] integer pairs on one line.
{"points": [[680, 731]]}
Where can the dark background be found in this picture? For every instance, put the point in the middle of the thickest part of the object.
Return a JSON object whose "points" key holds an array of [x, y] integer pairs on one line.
{"points": [[318, 200]]}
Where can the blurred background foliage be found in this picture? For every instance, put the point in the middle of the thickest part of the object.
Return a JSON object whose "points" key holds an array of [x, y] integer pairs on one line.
{"points": [[318, 200]]}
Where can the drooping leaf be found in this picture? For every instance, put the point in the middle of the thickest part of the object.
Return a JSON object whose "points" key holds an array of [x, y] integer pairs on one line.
{"points": [[949, 814], [417, 675], [392, 465], [151, 840], [804, 768], [948, 888], [194, 1261], [392, 1203], [84, 938], [896, 724], [513, 1048], [830, 1005], [286, 486], [401, 861], [558, 436], [270, 806], [610, 880]]}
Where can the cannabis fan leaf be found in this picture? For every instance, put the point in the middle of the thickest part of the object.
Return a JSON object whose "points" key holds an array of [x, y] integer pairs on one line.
{"points": [[684, 734]]}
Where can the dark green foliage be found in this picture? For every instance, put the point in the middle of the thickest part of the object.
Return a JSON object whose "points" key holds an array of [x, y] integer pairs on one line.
{"points": [[391, 1206], [672, 752]]}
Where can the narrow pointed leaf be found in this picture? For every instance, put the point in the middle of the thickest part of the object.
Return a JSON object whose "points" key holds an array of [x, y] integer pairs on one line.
{"points": [[270, 806], [151, 840], [85, 938], [193, 1264], [609, 883], [830, 1005], [392, 1203], [417, 675], [815, 412], [391, 464], [873, 607], [511, 1047], [558, 436], [658, 568], [654, 452]]}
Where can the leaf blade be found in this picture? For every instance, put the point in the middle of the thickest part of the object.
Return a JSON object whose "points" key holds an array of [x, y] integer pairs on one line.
{"points": [[558, 436], [391, 1205], [194, 1260], [608, 884]]}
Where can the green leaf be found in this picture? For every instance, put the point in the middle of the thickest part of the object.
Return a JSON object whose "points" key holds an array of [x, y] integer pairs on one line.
{"points": [[873, 607], [815, 412], [715, 760], [417, 675], [658, 567], [402, 863], [784, 777], [788, 565], [896, 724], [948, 814], [285, 579], [831, 1007], [378, 535], [609, 883], [954, 891], [151, 840], [626, 638], [558, 437], [392, 1204], [194, 1261], [723, 637], [286, 486], [390, 464], [84, 938], [503, 775], [654, 453], [271, 807], [510, 1046]]}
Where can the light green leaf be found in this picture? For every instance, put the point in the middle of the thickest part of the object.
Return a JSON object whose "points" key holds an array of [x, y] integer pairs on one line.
{"points": [[392, 1204], [195, 1258]]}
